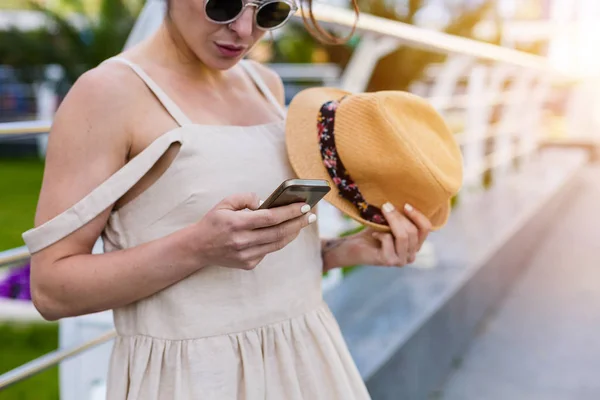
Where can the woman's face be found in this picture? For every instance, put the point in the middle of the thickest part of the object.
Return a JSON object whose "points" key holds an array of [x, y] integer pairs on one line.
{"points": [[218, 46]]}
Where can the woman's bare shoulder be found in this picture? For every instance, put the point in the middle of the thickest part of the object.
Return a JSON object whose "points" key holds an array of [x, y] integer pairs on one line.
{"points": [[89, 138], [271, 78], [99, 92]]}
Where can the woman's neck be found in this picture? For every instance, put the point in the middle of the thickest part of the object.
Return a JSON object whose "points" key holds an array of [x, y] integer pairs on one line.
{"points": [[169, 50]]}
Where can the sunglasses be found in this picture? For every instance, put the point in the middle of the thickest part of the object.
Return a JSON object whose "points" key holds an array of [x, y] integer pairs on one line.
{"points": [[269, 15]]}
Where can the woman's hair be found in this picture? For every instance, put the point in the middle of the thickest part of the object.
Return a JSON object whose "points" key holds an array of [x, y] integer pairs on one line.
{"points": [[312, 24], [315, 29]]}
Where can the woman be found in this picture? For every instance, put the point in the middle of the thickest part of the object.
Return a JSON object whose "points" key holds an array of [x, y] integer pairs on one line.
{"points": [[165, 152]]}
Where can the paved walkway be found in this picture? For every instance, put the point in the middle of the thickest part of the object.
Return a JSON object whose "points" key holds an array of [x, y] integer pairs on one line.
{"points": [[543, 341]]}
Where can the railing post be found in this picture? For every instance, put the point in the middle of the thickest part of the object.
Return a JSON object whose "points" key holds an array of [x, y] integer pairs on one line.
{"points": [[369, 51], [46, 102], [531, 137], [512, 121], [581, 114], [501, 139], [80, 374], [477, 116], [440, 95]]}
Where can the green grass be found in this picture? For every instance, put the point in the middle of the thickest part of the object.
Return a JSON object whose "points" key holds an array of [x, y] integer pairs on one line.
{"points": [[20, 343], [20, 182]]}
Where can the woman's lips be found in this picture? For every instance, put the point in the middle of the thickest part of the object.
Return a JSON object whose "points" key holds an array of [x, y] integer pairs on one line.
{"points": [[229, 50]]}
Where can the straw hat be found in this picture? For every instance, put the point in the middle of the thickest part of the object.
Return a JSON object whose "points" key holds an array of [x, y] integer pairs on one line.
{"points": [[386, 146]]}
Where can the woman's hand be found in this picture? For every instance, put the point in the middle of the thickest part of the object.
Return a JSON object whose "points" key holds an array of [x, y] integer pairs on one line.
{"points": [[236, 234], [409, 229]]}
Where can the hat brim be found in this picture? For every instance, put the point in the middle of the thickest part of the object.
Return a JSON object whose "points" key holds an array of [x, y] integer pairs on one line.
{"points": [[305, 156]]}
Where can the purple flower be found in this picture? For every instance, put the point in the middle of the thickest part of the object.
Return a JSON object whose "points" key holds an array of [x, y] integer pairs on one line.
{"points": [[16, 284], [4, 289]]}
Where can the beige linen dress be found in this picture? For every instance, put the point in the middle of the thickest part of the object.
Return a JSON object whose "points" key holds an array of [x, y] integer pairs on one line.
{"points": [[221, 333]]}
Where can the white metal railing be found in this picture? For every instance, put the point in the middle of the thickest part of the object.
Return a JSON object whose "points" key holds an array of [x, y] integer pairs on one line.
{"points": [[436, 41], [514, 135], [24, 127], [14, 256], [50, 360]]}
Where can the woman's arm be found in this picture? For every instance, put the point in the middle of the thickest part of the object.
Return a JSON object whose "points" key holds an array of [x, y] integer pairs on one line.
{"points": [[339, 253], [80, 284], [331, 256], [409, 229], [88, 142]]}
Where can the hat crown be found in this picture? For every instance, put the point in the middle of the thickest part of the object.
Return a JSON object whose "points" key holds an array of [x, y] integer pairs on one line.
{"points": [[397, 142], [393, 144], [426, 135]]}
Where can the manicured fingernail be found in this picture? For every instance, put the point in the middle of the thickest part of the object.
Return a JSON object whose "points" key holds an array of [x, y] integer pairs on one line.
{"points": [[305, 208], [388, 207], [312, 218], [408, 207]]}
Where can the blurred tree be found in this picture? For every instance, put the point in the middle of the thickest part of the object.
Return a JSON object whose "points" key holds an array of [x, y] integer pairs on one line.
{"points": [[404, 66], [77, 37], [295, 45], [399, 69]]}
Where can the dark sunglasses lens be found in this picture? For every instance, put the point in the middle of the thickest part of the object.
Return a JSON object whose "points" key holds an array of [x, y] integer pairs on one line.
{"points": [[272, 14], [223, 10]]}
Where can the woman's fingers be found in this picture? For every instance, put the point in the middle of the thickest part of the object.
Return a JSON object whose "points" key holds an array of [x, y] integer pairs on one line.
{"points": [[406, 235], [268, 240], [413, 242], [279, 232], [389, 254], [420, 221], [261, 219]]}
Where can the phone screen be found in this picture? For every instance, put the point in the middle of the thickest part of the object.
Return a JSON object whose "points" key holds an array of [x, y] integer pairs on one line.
{"points": [[309, 194]]}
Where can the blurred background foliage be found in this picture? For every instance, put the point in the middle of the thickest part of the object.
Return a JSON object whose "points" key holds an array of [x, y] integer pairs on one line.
{"points": [[21, 343], [78, 35], [403, 66]]}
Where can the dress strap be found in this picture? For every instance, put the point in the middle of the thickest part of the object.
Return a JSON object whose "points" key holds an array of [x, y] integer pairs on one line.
{"points": [[99, 199], [165, 100], [258, 80]]}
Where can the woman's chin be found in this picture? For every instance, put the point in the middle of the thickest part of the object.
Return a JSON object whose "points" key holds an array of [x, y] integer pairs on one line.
{"points": [[223, 63]]}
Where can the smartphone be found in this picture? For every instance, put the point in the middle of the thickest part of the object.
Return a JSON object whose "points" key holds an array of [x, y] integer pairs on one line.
{"points": [[309, 191]]}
